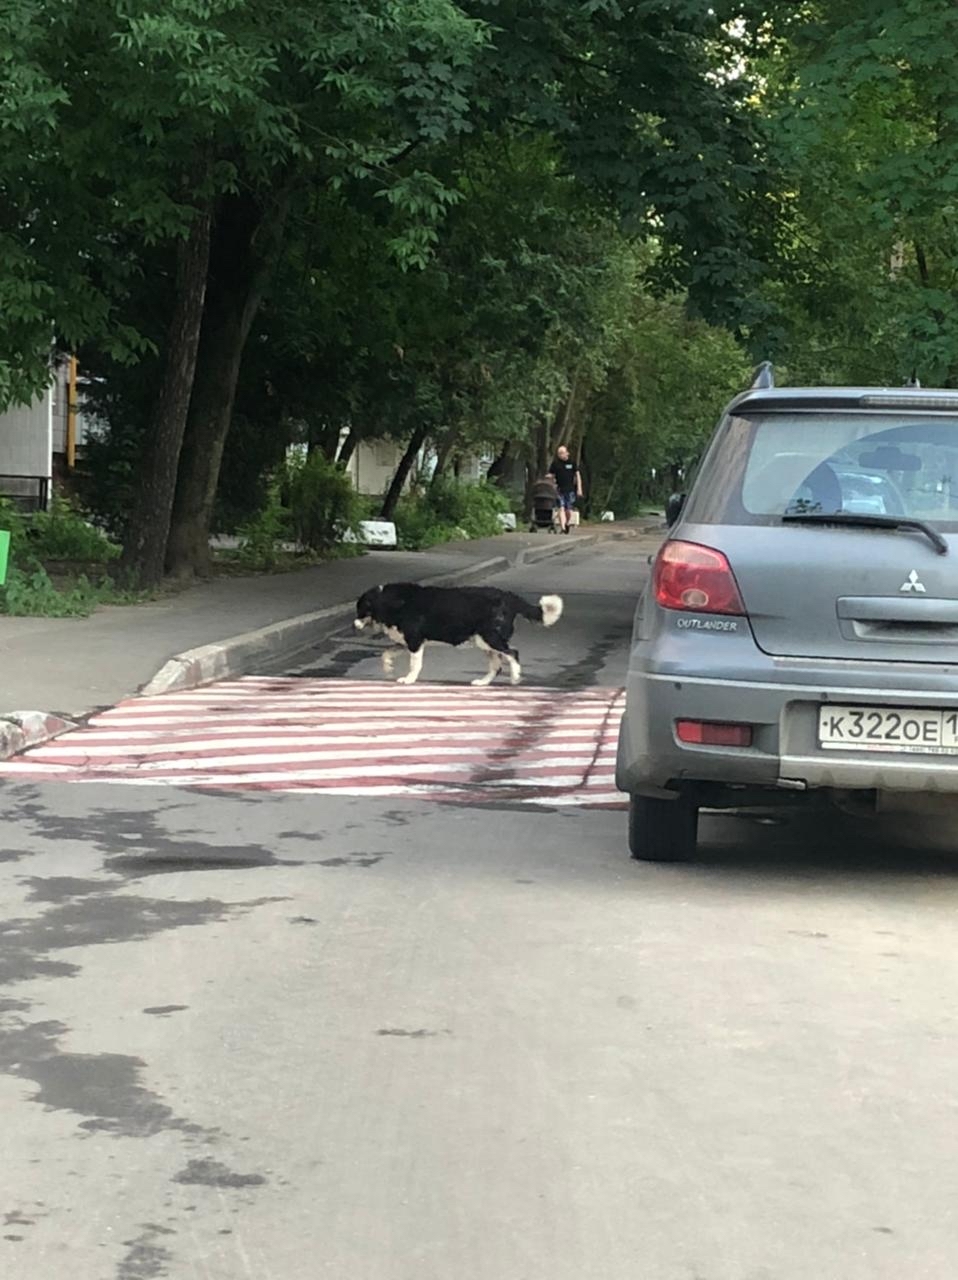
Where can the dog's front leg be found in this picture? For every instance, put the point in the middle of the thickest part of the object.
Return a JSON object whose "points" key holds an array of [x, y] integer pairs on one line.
{"points": [[415, 666]]}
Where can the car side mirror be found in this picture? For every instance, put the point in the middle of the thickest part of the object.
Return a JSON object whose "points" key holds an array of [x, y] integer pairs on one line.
{"points": [[674, 508]]}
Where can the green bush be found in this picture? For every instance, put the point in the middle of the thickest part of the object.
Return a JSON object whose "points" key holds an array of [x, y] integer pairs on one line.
{"points": [[471, 507], [322, 502], [447, 510], [418, 526], [311, 502], [62, 534], [261, 538], [59, 534]]}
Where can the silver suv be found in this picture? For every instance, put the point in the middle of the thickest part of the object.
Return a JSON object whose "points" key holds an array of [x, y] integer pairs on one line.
{"points": [[799, 634]]}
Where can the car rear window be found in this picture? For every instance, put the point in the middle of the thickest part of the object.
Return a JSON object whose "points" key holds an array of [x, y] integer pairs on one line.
{"points": [[763, 466]]}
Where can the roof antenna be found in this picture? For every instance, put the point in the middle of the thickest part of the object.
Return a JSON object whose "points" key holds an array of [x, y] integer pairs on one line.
{"points": [[913, 380], [763, 376]]}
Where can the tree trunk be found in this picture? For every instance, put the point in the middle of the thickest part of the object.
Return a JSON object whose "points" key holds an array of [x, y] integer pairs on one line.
{"points": [[246, 241], [500, 467], [544, 451], [144, 547], [394, 492], [328, 442], [562, 423], [533, 473], [348, 447], [443, 454]]}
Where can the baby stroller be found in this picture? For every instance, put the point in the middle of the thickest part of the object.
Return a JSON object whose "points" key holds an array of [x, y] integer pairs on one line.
{"points": [[544, 505]]}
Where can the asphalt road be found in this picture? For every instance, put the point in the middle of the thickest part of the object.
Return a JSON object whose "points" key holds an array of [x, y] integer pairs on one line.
{"points": [[285, 1036]]}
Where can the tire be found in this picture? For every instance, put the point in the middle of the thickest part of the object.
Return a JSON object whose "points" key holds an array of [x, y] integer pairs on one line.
{"points": [[662, 830]]}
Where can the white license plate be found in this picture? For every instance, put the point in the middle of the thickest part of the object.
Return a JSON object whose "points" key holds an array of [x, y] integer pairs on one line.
{"points": [[904, 729]]}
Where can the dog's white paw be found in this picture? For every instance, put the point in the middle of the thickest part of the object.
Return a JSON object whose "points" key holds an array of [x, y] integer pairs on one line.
{"points": [[389, 661], [410, 679], [480, 681]]}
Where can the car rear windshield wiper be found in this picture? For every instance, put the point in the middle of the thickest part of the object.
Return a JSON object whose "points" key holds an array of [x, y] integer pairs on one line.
{"points": [[870, 522]]}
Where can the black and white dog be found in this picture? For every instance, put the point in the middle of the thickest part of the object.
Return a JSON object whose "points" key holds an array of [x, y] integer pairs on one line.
{"points": [[414, 616]]}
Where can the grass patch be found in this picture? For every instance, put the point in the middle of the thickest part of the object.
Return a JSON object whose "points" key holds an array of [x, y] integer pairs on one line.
{"points": [[32, 593]]}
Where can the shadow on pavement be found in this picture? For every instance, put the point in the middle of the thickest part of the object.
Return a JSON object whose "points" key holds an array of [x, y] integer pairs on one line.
{"points": [[828, 843]]}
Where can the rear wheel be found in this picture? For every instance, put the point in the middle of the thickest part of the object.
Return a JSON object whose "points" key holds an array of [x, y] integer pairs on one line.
{"points": [[662, 830]]}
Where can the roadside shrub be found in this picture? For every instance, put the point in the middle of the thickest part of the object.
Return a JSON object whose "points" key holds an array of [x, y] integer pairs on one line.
{"points": [[62, 534], [310, 502], [471, 507], [447, 510], [261, 538], [322, 502], [418, 526]]}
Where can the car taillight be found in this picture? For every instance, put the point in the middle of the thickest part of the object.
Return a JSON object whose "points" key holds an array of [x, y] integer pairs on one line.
{"points": [[711, 733], [697, 579]]}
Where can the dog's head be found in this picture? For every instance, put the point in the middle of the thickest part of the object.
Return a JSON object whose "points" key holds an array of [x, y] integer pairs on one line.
{"points": [[367, 608]]}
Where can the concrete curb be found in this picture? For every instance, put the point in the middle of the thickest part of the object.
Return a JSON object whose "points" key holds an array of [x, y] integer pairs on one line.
{"points": [[559, 546], [233, 655], [20, 730]]}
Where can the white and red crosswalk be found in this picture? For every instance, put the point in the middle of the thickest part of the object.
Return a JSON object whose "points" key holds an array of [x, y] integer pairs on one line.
{"points": [[351, 737]]}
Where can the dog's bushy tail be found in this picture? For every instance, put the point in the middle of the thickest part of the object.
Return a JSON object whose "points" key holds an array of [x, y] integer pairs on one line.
{"points": [[548, 611]]}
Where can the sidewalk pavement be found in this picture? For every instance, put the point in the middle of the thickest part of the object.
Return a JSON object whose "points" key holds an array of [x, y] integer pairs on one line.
{"points": [[66, 668]]}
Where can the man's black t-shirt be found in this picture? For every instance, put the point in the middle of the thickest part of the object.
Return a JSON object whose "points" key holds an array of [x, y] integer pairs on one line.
{"points": [[565, 472]]}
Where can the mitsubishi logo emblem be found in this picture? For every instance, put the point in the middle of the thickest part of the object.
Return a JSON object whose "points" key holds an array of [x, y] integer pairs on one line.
{"points": [[913, 583]]}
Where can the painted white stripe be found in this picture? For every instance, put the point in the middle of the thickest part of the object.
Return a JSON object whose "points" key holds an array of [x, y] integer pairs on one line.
{"points": [[321, 686], [86, 745], [355, 708], [602, 798], [348, 731], [384, 697], [436, 769], [204, 727], [391, 695], [196, 777], [539, 754], [387, 694], [345, 787], [26, 765], [399, 754]]}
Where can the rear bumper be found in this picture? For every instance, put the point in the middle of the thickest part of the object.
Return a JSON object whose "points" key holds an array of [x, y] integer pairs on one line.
{"points": [[784, 715]]}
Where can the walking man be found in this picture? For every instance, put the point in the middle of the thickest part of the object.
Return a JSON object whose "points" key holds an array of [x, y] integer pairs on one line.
{"points": [[568, 483]]}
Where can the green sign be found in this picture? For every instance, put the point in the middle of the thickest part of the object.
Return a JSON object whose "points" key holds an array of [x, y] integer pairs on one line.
{"points": [[4, 554]]}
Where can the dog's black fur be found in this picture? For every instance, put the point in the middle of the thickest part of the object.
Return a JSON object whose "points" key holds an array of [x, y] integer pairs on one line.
{"points": [[414, 614]]}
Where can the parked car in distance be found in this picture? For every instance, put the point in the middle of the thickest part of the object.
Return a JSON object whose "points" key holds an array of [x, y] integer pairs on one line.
{"points": [[798, 637]]}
